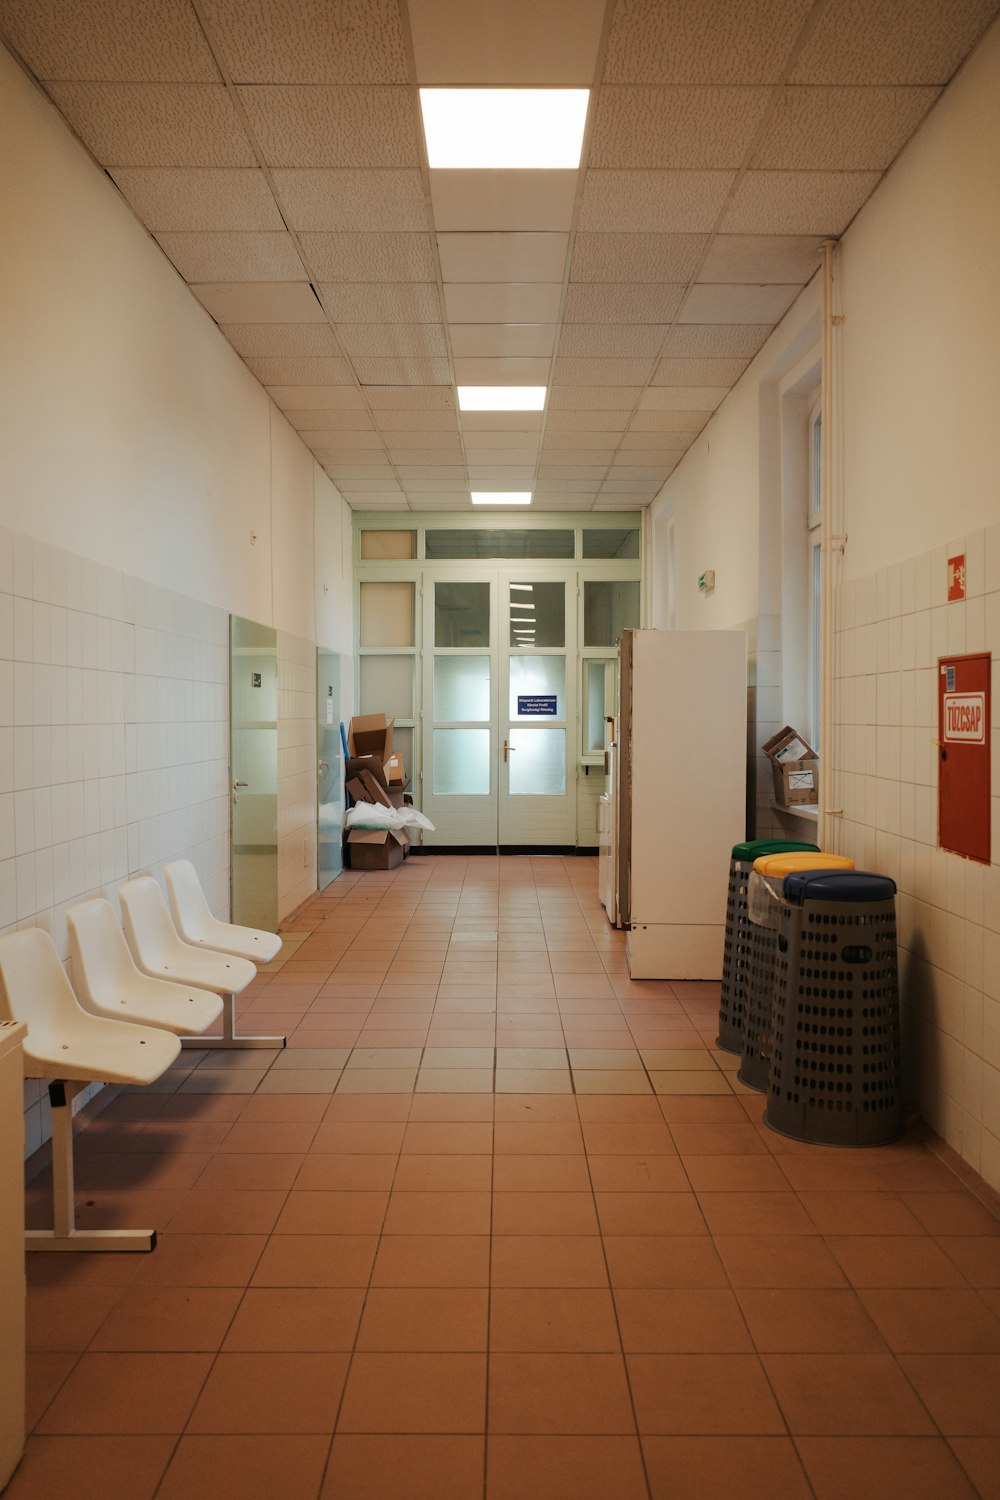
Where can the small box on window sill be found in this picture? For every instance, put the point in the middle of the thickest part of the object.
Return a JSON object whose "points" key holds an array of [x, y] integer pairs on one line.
{"points": [[794, 767]]}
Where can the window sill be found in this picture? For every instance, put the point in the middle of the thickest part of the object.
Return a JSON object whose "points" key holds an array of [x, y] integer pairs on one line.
{"points": [[803, 810]]}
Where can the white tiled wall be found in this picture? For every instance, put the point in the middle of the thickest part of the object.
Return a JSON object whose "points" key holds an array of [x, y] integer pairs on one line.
{"points": [[891, 628], [113, 741], [296, 771]]}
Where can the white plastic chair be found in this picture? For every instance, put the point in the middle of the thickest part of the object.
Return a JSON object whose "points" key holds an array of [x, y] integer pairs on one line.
{"points": [[194, 920], [108, 983], [159, 952], [71, 1048]]}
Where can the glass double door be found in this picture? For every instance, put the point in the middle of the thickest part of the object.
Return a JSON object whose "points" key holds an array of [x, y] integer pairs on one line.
{"points": [[499, 710]]}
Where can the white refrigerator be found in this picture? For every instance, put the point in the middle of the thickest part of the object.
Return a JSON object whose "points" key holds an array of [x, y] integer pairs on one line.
{"points": [[681, 794], [11, 1248]]}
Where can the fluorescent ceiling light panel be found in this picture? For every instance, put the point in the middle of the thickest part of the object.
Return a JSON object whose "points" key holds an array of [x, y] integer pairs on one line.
{"points": [[525, 128], [501, 497], [501, 397]]}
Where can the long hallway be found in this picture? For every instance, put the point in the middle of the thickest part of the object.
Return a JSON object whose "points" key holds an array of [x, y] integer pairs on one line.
{"points": [[501, 1222]]}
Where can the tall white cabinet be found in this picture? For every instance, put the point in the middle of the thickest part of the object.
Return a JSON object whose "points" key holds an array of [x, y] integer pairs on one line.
{"points": [[681, 796], [11, 1248]]}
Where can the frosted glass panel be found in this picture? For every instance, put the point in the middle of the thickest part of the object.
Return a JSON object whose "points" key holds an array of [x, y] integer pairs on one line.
{"points": [[461, 762], [538, 614], [537, 763], [387, 614], [461, 614], [462, 688], [537, 677], [387, 686], [596, 675], [608, 609], [376, 545]]}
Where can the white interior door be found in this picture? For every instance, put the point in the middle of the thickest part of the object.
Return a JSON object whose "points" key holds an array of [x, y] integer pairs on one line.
{"points": [[537, 803]]}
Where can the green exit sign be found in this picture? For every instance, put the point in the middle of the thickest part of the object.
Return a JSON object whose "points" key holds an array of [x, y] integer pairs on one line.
{"points": [[706, 581]]}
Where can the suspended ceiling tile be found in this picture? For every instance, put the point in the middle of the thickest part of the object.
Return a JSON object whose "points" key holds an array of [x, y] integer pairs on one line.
{"points": [[439, 500], [281, 338], [502, 200], [409, 472], [443, 441], [672, 421], [605, 302], [660, 202], [702, 41], [333, 127], [407, 371], [381, 302], [642, 473], [477, 439], [329, 419], [425, 339], [355, 486], [469, 340], [260, 302], [231, 255], [503, 302], [317, 397], [339, 441], [602, 371], [797, 202], [894, 42], [503, 370], [585, 421], [676, 127], [480, 456], [301, 371], [580, 441], [718, 339], [502, 421], [761, 258], [610, 339], [677, 398], [841, 129], [430, 486], [502, 257], [350, 199], [340, 459], [590, 474], [565, 488], [370, 257], [594, 398], [518, 44], [106, 40], [350, 472], [199, 197], [555, 461], [416, 421], [737, 304], [286, 41], [636, 257], [409, 398], [514, 475], [678, 373], [156, 124], [376, 503], [564, 502]]}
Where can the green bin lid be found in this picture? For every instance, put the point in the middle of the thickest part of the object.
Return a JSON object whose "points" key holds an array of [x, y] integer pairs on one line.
{"points": [[757, 847]]}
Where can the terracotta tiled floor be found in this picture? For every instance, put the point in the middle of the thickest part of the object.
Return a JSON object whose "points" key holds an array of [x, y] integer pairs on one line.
{"points": [[501, 1222]]}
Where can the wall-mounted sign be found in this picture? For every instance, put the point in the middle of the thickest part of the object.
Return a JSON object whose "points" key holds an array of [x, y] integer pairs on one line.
{"points": [[706, 581], [956, 578], [964, 749], [255, 679], [536, 704]]}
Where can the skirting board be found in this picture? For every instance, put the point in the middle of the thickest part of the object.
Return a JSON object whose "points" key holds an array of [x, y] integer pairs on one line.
{"points": [[665, 951]]}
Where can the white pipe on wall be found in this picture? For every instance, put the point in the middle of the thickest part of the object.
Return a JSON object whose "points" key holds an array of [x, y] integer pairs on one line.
{"points": [[831, 542]]}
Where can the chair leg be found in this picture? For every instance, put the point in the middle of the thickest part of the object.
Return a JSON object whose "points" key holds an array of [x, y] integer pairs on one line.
{"points": [[229, 1037], [65, 1235]]}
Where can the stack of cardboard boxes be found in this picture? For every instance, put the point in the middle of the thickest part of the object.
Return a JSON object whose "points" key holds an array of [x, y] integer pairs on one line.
{"points": [[795, 768], [376, 774]]}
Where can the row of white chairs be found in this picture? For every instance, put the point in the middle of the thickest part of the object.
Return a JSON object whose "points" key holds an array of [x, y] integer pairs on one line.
{"points": [[137, 996]]}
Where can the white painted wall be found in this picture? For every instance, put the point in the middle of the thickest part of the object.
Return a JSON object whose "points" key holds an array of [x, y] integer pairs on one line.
{"points": [[918, 371]]}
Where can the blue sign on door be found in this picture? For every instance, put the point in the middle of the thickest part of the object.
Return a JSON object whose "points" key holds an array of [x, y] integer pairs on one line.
{"points": [[536, 704]]}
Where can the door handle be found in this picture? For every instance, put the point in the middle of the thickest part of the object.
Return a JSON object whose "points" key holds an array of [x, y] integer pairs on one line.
{"points": [[508, 749]]}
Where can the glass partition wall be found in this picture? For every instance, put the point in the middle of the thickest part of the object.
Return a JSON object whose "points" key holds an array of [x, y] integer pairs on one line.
{"points": [[494, 648]]}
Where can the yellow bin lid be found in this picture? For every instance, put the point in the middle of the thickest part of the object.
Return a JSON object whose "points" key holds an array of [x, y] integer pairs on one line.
{"points": [[774, 865]]}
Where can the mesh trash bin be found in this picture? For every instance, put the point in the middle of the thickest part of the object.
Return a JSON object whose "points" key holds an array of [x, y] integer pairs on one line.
{"points": [[763, 916], [835, 1063], [736, 950]]}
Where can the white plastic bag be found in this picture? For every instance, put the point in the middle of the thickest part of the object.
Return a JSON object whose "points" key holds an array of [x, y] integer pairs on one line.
{"points": [[374, 815]]}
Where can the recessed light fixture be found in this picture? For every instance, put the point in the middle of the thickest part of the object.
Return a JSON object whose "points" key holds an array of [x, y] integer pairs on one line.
{"points": [[505, 128], [501, 497], [501, 397]]}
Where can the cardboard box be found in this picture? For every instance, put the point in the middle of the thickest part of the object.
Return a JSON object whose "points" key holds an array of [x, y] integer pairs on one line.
{"points": [[376, 848], [371, 734], [364, 784], [794, 767], [395, 774]]}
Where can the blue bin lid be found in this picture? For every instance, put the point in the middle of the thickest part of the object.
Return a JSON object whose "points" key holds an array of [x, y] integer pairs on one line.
{"points": [[837, 885]]}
